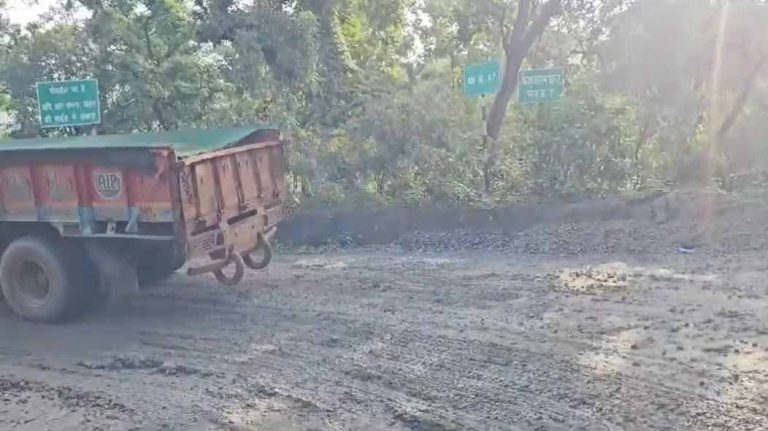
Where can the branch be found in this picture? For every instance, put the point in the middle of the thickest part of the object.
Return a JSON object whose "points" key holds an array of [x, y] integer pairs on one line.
{"points": [[521, 23], [741, 100], [503, 25], [540, 23], [160, 115], [120, 106], [148, 40], [172, 50], [516, 48]]}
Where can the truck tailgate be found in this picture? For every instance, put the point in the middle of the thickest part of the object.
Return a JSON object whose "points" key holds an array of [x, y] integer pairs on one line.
{"points": [[232, 195]]}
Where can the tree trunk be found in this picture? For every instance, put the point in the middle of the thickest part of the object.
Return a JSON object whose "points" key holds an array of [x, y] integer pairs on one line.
{"points": [[741, 100], [514, 60], [487, 166], [496, 116], [516, 43], [516, 47]]}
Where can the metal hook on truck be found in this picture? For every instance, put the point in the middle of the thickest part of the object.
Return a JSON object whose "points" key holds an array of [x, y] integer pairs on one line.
{"points": [[85, 215]]}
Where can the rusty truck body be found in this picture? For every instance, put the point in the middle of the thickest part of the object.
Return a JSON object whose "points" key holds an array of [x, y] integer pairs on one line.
{"points": [[88, 216]]}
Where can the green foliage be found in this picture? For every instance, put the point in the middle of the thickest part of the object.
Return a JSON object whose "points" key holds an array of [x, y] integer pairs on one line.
{"points": [[370, 92], [61, 51], [153, 75], [581, 145]]}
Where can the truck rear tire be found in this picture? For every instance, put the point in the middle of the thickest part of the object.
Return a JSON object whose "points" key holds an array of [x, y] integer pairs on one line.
{"points": [[37, 279]]}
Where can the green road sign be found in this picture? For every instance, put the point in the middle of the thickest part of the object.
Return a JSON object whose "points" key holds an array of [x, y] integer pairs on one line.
{"points": [[68, 103], [481, 79], [541, 85]]}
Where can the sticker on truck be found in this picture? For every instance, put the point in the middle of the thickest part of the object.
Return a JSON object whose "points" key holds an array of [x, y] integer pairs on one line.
{"points": [[108, 185]]}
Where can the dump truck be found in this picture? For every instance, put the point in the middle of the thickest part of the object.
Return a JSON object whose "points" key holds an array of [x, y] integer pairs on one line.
{"points": [[98, 216]]}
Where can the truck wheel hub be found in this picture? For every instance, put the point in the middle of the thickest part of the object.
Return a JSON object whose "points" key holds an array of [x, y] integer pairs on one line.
{"points": [[34, 287]]}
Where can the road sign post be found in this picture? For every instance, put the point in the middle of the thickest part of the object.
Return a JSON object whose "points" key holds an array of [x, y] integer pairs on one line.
{"points": [[68, 103], [541, 85], [481, 79]]}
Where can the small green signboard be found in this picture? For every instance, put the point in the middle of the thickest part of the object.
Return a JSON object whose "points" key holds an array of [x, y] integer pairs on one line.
{"points": [[541, 85], [481, 79], [68, 103]]}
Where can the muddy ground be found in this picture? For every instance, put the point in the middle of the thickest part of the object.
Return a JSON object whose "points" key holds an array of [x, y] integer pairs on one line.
{"points": [[651, 323]]}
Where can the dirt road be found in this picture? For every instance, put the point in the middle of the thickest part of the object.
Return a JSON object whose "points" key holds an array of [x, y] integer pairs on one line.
{"points": [[385, 339], [653, 323]]}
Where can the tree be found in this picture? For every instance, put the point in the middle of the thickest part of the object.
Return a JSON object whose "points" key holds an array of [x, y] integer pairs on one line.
{"points": [[370, 90], [5, 99], [485, 27], [151, 73], [530, 23], [713, 63], [61, 51]]}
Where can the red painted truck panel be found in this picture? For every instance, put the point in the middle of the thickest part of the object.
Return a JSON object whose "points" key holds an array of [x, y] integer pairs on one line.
{"points": [[152, 195], [61, 192], [55, 192], [17, 193], [212, 203]]}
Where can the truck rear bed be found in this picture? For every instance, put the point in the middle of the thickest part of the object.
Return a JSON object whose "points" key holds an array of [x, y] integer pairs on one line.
{"points": [[206, 193], [231, 195]]}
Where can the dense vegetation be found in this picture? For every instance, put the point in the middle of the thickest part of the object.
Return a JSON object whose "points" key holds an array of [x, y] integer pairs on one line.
{"points": [[658, 92]]}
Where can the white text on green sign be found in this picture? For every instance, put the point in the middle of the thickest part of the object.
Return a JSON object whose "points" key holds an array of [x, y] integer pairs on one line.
{"points": [[481, 79], [541, 85], [68, 103]]}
